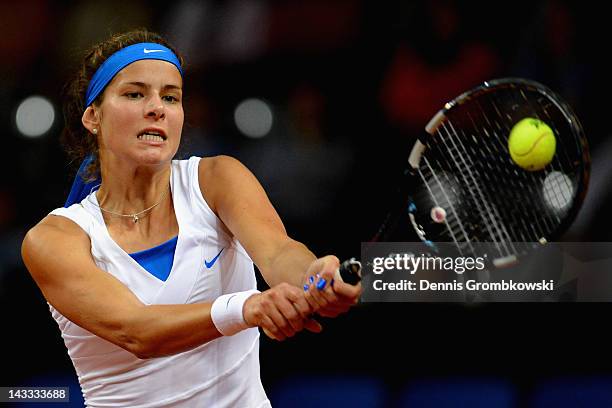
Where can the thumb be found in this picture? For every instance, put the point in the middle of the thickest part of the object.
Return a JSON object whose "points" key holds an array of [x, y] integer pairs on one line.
{"points": [[327, 266]]}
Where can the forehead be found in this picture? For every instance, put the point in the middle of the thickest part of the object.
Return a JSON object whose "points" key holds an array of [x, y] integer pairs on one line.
{"points": [[150, 71]]}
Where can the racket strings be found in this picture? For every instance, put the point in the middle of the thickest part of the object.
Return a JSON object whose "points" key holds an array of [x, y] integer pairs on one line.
{"points": [[526, 186], [559, 191], [503, 202], [551, 112], [456, 154], [463, 236], [441, 198], [479, 229], [493, 213], [524, 192], [459, 203], [488, 213], [492, 148]]}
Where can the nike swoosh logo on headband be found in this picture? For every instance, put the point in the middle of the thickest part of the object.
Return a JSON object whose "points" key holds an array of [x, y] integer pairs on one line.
{"points": [[146, 51]]}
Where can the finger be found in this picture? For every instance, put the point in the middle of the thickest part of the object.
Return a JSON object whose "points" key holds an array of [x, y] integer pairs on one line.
{"points": [[271, 330], [325, 266], [291, 314], [329, 265], [313, 326], [309, 295], [319, 276], [280, 321], [312, 302], [335, 305], [314, 297], [304, 308], [301, 306], [321, 291], [267, 315], [269, 334], [333, 311], [346, 291], [300, 303]]}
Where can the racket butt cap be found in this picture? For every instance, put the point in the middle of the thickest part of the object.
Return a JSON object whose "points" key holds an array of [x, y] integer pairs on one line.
{"points": [[349, 271]]}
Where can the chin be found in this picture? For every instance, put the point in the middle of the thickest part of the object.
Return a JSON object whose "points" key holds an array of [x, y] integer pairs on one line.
{"points": [[154, 158]]}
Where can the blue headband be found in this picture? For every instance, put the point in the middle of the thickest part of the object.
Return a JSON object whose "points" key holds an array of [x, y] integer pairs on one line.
{"points": [[122, 59]]}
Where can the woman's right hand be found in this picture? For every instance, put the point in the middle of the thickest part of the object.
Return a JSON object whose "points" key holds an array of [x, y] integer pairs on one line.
{"points": [[281, 312]]}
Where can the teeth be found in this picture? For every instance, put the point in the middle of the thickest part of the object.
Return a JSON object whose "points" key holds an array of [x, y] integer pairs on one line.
{"points": [[151, 137]]}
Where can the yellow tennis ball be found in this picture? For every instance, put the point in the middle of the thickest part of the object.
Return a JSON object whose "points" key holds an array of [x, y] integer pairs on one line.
{"points": [[532, 144]]}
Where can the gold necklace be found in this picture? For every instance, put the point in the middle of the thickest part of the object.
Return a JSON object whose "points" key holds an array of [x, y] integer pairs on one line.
{"points": [[136, 216]]}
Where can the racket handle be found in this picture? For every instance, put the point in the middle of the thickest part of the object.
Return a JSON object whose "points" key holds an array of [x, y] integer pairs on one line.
{"points": [[350, 271]]}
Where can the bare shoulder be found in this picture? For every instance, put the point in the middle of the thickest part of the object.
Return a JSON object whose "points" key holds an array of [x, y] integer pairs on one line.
{"points": [[221, 166], [221, 176], [52, 235], [52, 227]]}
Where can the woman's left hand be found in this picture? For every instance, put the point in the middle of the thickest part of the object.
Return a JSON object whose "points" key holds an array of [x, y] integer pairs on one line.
{"points": [[326, 293]]}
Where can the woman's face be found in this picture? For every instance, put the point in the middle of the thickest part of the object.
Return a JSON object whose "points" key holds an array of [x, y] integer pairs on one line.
{"points": [[141, 114]]}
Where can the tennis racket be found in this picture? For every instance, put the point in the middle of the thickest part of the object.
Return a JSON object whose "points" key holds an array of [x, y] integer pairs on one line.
{"points": [[461, 185]]}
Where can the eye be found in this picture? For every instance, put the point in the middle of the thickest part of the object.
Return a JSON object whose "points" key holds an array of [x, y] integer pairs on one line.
{"points": [[134, 95], [170, 98]]}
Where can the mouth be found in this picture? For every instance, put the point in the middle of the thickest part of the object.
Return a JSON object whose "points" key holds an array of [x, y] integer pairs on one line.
{"points": [[150, 135]]}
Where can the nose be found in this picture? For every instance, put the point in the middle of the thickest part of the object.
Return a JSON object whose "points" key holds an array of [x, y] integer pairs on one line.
{"points": [[155, 108]]}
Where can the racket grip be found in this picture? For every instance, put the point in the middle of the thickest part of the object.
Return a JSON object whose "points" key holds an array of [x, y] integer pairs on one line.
{"points": [[349, 271]]}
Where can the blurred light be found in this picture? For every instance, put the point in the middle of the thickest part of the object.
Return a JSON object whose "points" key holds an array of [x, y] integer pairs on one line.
{"points": [[444, 190], [253, 118], [35, 116], [558, 190]]}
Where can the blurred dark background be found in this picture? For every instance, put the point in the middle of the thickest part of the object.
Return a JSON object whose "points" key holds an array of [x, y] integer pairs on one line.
{"points": [[321, 100]]}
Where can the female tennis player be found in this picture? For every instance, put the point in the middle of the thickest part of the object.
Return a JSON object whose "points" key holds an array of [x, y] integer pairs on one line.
{"points": [[150, 276]]}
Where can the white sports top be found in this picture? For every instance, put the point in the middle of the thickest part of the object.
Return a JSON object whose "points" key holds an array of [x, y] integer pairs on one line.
{"points": [[221, 373]]}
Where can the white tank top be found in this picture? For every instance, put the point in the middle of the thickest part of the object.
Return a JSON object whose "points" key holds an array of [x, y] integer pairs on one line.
{"points": [[221, 373]]}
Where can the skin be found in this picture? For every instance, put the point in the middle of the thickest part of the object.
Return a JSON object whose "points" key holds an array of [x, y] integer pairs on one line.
{"points": [[145, 95]]}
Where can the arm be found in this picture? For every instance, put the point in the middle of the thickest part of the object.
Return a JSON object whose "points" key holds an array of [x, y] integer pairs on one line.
{"points": [[101, 304], [236, 196], [238, 199]]}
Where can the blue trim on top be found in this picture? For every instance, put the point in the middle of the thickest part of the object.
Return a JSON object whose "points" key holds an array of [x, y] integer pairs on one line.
{"points": [[157, 260]]}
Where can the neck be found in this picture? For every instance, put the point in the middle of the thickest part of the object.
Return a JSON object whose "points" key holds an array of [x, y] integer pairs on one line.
{"points": [[130, 189]]}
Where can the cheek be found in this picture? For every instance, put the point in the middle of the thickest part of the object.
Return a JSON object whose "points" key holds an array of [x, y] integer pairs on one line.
{"points": [[178, 120], [119, 119]]}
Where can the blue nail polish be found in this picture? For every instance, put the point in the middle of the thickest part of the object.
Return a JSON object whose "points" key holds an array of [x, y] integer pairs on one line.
{"points": [[321, 284], [311, 279], [331, 283], [306, 288]]}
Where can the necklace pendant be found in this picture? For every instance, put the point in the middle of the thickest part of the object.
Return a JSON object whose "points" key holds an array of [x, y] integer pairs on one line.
{"points": [[135, 217]]}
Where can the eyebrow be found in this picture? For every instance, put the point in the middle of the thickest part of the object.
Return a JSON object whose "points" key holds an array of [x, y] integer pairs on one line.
{"points": [[143, 85]]}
